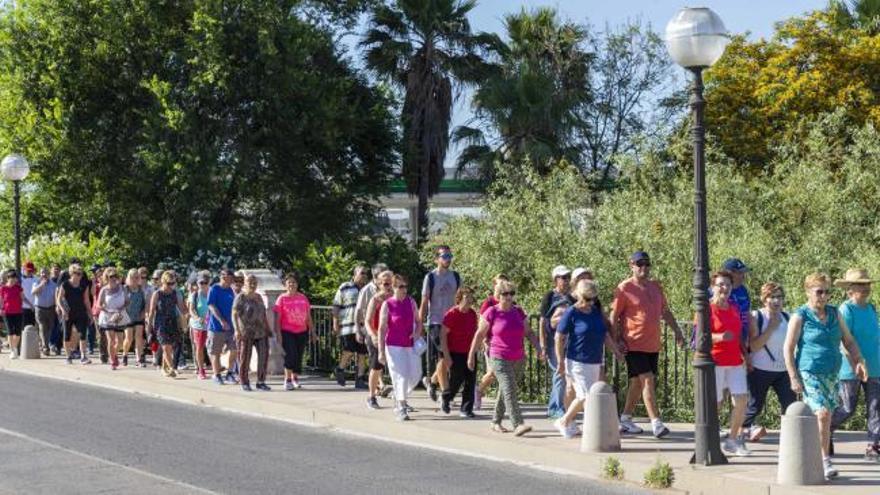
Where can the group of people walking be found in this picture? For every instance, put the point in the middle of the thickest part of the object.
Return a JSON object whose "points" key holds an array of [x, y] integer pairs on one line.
{"points": [[826, 353]]}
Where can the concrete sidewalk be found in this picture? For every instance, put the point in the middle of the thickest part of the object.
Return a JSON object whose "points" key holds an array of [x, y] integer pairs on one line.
{"points": [[322, 403]]}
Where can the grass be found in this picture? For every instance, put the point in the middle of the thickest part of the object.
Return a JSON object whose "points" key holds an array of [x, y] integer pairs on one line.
{"points": [[660, 476], [612, 469]]}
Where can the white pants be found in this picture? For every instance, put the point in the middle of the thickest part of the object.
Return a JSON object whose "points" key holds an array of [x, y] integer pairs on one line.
{"points": [[582, 376], [732, 378], [405, 369]]}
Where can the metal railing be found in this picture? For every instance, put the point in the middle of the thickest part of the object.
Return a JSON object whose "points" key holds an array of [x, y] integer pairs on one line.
{"points": [[674, 388]]}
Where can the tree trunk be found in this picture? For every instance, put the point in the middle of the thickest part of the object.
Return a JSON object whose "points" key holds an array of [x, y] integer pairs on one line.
{"points": [[421, 231]]}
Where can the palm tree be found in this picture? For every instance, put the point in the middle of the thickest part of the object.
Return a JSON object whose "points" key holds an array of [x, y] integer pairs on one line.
{"points": [[424, 47], [531, 99], [856, 14]]}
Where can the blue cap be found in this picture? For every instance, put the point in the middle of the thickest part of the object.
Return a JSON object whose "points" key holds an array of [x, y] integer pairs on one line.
{"points": [[734, 265], [639, 256]]}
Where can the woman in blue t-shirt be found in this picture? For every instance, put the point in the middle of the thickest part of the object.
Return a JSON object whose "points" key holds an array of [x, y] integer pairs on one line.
{"points": [[580, 337], [812, 357]]}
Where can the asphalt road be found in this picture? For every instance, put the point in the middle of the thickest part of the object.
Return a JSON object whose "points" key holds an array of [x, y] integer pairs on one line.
{"points": [[59, 437]]}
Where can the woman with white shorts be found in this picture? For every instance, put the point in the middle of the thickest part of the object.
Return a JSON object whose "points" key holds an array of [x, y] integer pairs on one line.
{"points": [[728, 353], [580, 337]]}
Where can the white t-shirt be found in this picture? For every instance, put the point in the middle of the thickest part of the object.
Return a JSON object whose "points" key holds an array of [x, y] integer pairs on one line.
{"points": [[27, 285], [761, 358]]}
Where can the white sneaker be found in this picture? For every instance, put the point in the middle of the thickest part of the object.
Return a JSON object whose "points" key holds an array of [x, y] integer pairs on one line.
{"points": [[14, 355], [741, 450], [564, 430], [659, 429], [828, 467], [627, 425], [573, 428]]}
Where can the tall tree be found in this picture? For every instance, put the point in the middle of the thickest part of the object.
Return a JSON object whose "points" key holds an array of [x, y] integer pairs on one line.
{"points": [[859, 14], [181, 125], [529, 101], [423, 47]]}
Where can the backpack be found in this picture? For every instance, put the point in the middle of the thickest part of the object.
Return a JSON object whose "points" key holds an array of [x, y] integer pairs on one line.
{"points": [[431, 280], [759, 316]]}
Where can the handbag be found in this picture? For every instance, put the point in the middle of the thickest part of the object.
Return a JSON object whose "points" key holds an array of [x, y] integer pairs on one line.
{"points": [[420, 345]]}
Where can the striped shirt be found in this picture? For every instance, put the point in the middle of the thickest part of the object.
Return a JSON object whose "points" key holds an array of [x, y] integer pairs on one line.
{"points": [[344, 306]]}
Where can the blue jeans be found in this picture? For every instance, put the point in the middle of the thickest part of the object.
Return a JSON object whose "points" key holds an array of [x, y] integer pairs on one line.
{"points": [[55, 339], [556, 404], [849, 397], [760, 383]]}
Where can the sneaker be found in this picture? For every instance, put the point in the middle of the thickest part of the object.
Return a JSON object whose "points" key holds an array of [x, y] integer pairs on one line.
{"points": [[262, 386], [467, 414], [125, 360], [563, 429], [113, 366], [741, 450], [386, 391], [85, 361], [202, 375], [172, 374], [478, 399], [409, 408], [756, 433], [402, 415], [218, 379], [828, 468], [339, 374], [246, 387], [426, 382], [444, 406], [372, 403], [872, 452], [288, 385], [361, 384], [659, 429], [521, 430], [45, 352], [230, 377], [69, 360], [627, 425], [432, 392], [729, 446], [13, 355], [574, 430], [296, 384], [56, 351]]}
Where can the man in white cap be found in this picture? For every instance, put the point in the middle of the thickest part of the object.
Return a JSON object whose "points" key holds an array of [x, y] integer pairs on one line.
{"points": [[561, 283]]}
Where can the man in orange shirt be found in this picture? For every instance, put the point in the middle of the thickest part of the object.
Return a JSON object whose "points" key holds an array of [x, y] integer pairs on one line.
{"points": [[639, 305]]}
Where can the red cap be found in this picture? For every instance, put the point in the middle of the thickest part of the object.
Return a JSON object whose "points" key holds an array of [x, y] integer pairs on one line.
{"points": [[29, 265]]}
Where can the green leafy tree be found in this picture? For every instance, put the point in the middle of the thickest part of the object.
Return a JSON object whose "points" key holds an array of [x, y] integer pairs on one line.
{"points": [[528, 105], [423, 47], [187, 125]]}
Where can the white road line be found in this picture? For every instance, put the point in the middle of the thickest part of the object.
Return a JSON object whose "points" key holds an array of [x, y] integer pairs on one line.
{"points": [[22, 436]]}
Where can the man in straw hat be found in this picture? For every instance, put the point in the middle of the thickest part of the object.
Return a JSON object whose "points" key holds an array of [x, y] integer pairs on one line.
{"points": [[861, 318]]}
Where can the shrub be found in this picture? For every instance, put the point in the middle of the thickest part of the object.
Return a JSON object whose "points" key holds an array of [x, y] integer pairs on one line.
{"points": [[612, 469], [59, 248], [660, 475]]}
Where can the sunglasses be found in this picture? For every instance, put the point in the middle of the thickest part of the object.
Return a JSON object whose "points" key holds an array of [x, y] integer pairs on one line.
{"points": [[643, 263], [447, 256], [203, 283], [821, 292], [113, 276], [510, 293]]}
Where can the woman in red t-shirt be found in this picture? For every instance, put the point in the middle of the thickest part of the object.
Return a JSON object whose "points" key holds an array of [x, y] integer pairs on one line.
{"points": [[459, 326], [727, 352], [11, 304]]}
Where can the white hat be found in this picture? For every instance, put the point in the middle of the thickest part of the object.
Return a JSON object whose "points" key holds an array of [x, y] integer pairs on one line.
{"points": [[561, 271], [580, 271]]}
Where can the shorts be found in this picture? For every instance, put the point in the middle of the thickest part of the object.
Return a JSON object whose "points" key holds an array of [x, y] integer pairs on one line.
{"points": [[373, 353], [349, 343], [78, 322], [135, 324], [200, 337], [582, 376], [434, 345], [14, 324], [640, 363], [30, 317], [821, 391], [733, 378], [216, 342], [113, 329]]}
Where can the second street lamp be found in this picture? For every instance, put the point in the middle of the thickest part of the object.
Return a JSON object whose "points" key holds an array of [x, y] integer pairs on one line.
{"points": [[696, 39], [15, 168]]}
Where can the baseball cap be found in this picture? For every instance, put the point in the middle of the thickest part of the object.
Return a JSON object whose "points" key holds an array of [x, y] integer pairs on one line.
{"points": [[560, 271], [639, 256], [735, 265], [29, 265], [157, 273], [577, 272], [95, 268]]}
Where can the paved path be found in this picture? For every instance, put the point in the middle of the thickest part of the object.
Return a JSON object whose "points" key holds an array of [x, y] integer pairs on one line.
{"points": [[61, 437]]}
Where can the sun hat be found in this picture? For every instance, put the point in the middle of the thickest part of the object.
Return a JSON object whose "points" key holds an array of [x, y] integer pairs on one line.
{"points": [[853, 276]]}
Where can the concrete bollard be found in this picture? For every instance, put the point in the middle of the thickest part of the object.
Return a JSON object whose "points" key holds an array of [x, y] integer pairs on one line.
{"points": [[800, 456], [30, 343], [601, 427]]}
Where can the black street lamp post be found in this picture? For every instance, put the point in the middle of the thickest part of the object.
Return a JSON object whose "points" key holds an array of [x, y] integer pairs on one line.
{"points": [[696, 38], [15, 168]]}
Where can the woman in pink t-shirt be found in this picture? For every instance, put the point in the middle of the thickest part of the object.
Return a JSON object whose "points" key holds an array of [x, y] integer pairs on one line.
{"points": [[399, 326], [11, 303], [293, 316], [507, 325]]}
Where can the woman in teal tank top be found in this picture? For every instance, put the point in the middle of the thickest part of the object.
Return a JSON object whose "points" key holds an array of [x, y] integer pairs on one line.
{"points": [[812, 357]]}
